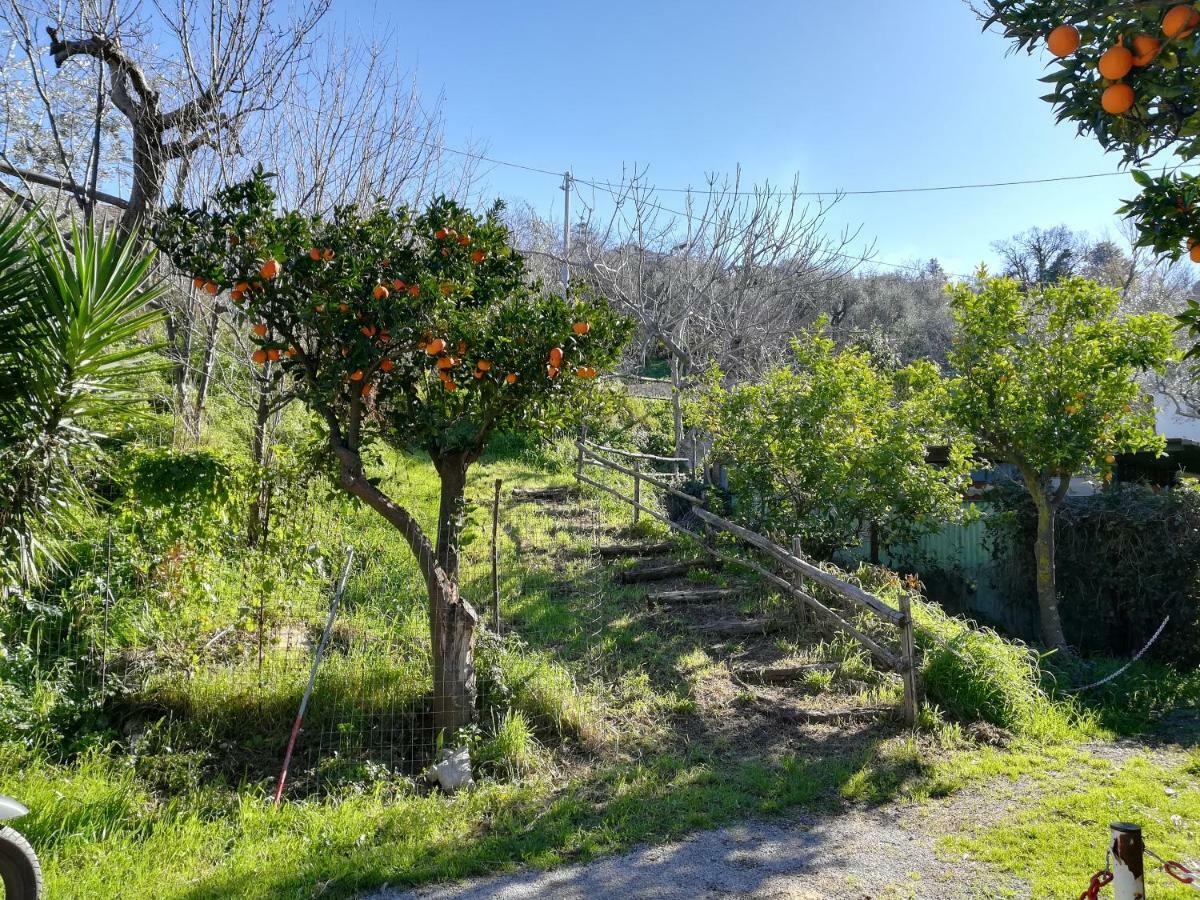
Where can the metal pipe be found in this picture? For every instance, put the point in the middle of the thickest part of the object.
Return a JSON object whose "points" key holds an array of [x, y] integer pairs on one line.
{"points": [[1127, 861]]}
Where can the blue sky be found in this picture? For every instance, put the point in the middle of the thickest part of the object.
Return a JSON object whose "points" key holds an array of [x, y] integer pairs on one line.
{"points": [[874, 94]]}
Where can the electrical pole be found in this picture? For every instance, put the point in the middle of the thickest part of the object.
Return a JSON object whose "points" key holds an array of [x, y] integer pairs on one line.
{"points": [[566, 266]]}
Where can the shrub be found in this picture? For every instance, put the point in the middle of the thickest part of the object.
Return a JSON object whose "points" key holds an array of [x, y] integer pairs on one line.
{"points": [[1126, 558]]}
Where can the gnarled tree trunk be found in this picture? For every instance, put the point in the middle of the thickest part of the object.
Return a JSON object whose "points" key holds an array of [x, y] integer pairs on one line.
{"points": [[452, 619], [1047, 503]]}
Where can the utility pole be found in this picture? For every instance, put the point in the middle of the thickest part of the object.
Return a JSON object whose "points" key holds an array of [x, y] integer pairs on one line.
{"points": [[566, 267]]}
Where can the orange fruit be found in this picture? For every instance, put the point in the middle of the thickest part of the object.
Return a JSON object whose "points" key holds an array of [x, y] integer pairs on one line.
{"points": [[241, 287], [552, 371], [356, 375], [343, 307], [510, 378], [446, 362], [270, 268], [556, 356], [259, 356], [327, 254], [581, 371], [1194, 253], [440, 234], [320, 307], [450, 385], [478, 256], [368, 330], [198, 283], [366, 390], [1063, 40], [387, 365], [384, 337], [398, 285], [273, 354], [581, 328], [380, 292], [1180, 21], [483, 365], [478, 374], [436, 346], [210, 287], [1145, 49], [1115, 63], [236, 296], [314, 253], [464, 239], [414, 289], [260, 329], [1110, 459], [1117, 99], [292, 351], [462, 346]]}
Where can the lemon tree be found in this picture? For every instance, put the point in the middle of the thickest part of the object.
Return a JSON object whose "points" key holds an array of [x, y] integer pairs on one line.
{"points": [[1047, 380]]}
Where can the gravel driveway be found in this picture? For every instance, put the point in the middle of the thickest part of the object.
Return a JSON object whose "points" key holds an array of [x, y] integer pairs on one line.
{"points": [[860, 854]]}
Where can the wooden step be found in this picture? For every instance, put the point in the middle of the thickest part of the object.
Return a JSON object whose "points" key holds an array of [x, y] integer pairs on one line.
{"points": [[736, 627], [612, 551], [782, 674], [658, 571], [695, 595]]}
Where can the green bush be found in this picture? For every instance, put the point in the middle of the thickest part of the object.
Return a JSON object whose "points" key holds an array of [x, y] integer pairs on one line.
{"points": [[1126, 558]]}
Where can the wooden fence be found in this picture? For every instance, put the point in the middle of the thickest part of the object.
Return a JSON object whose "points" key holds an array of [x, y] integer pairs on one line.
{"points": [[902, 661]]}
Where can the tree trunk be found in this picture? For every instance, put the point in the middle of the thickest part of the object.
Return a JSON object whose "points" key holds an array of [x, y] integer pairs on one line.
{"points": [[452, 470], [1047, 504], [452, 619]]}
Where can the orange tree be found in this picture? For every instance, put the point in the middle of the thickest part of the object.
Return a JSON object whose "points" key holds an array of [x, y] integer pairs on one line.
{"points": [[1047, 380], [419, 329], [1127, 72]]}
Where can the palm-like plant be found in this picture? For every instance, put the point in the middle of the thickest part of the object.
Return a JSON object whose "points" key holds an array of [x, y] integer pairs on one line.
{"points": [[70, 311]]}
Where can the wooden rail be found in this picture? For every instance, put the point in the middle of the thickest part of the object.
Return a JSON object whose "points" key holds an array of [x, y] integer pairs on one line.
{"points": [[904, 662]]}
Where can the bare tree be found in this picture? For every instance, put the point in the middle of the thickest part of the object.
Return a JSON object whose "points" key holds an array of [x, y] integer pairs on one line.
{"points": [[723, 277], [1041, 256]]}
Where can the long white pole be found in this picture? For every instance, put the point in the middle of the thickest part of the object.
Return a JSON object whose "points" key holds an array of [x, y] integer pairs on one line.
{"points": [[566, 266]]}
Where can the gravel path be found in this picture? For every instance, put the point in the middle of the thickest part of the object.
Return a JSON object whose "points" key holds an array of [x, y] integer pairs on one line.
{"points": [[859, 855]]}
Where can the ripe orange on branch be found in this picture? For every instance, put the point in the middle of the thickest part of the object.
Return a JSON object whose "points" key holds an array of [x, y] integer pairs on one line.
{"points": [[260, 329], [380, 292], [259, 357], [1063, 40], [270, 268], [436, 346], [581, 328], [1180, 21], [1194, 252], [1145, 49], [1116, 63], [1117, 99]]}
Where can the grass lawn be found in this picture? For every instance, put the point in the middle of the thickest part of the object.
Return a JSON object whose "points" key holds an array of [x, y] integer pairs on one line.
{"points": [[615, 724]]}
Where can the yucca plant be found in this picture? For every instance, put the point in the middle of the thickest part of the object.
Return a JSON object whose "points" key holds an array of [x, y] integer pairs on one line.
{"points": [[71, 308]]}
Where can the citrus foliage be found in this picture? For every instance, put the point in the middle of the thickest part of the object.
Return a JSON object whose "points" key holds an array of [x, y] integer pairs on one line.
{"points": [[822, 447], [1129, 75], [1048, 379], [421, 322]]}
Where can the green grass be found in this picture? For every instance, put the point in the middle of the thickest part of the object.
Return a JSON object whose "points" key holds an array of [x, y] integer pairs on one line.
{"points": [[1056, 833], [594, 735]]}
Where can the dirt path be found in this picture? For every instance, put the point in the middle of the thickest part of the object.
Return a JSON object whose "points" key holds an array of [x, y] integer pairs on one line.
{"points": [[858, 855]]}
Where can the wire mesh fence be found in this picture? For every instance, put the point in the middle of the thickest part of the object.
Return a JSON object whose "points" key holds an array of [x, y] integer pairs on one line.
{"points": [[211, 652]]}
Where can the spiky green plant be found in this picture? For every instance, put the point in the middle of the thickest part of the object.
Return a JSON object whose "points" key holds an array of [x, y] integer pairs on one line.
{"points": [[71, 309]]}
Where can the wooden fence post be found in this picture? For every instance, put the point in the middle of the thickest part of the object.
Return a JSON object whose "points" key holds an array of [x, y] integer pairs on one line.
{"points": [[637, 490], [908, 659], [496, 559]]}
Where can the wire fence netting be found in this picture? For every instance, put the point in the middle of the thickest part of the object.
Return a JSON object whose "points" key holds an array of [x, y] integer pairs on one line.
{"points": [[206, 655]]}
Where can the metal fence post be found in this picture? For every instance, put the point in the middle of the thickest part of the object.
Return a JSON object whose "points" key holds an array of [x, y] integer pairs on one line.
{"points": [[496, 559], [1127, 861]]}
